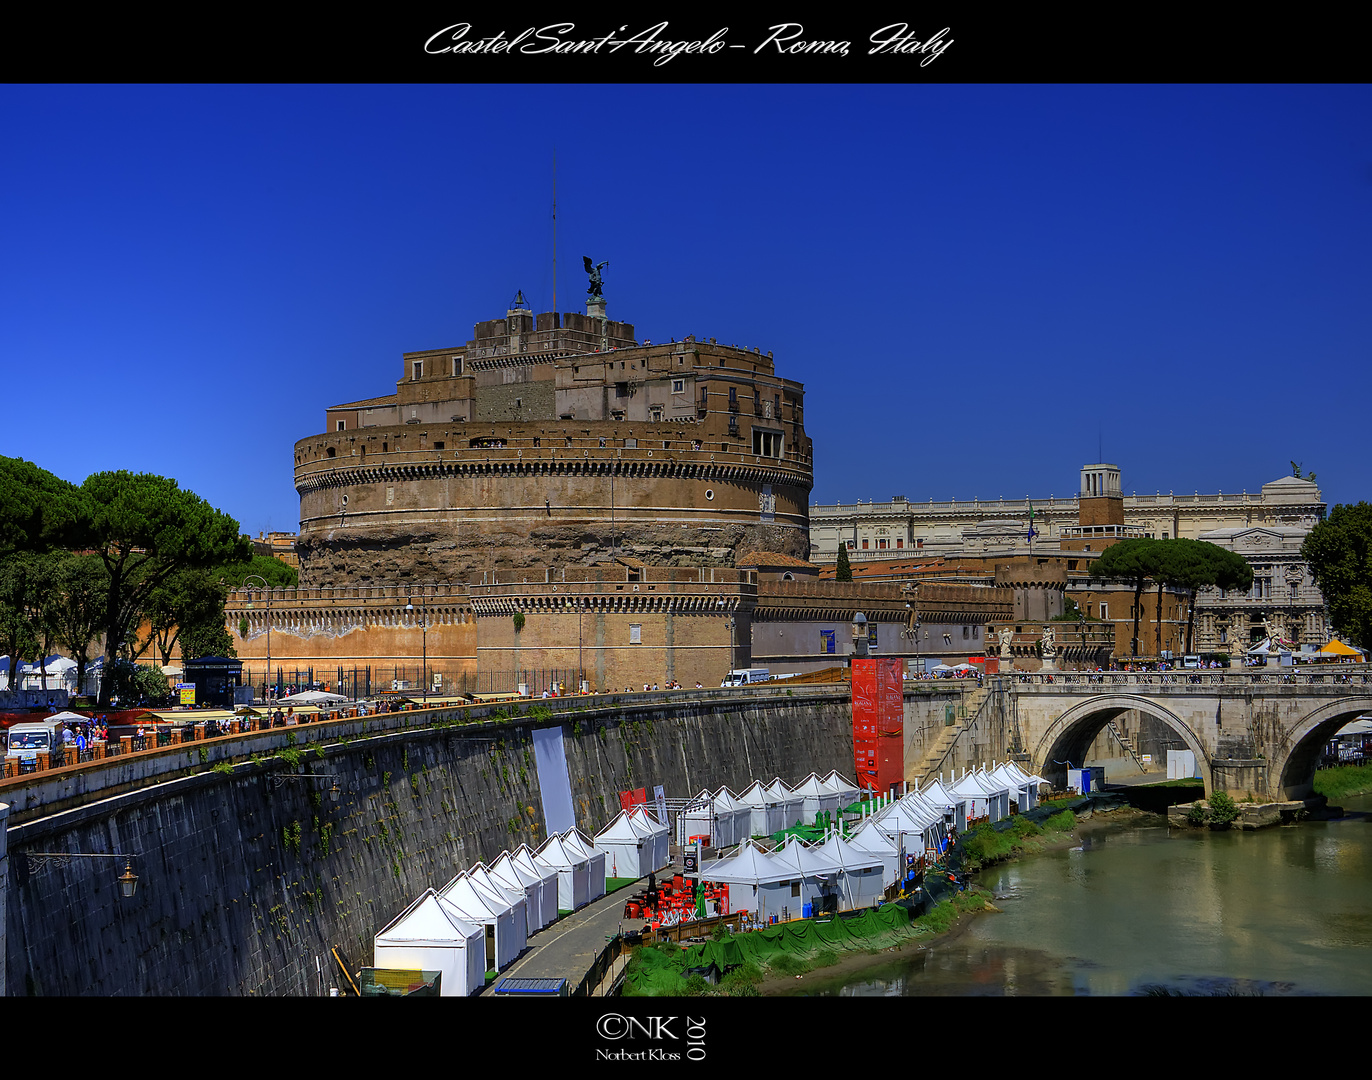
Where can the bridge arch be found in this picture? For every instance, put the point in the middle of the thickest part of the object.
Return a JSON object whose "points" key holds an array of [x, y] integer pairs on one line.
{"points": [[1069, 736], [1298, 752]]}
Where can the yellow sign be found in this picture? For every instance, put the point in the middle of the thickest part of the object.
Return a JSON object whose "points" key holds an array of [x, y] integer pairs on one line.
{"points": [[187, 690]]}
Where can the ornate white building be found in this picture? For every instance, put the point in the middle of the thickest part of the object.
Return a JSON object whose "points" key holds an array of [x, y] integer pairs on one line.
{"points": [[901, 529]]}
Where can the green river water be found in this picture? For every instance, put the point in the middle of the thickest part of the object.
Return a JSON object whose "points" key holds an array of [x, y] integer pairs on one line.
{"points": [[1284, 911]]}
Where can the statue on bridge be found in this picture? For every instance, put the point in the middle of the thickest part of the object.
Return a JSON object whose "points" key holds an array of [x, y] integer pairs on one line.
{"points": [[1006, 636], [1048, 648]]}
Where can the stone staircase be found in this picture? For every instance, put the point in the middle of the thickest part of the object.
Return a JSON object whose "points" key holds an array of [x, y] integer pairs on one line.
{"points": [[1123, 740], [971, 708]]}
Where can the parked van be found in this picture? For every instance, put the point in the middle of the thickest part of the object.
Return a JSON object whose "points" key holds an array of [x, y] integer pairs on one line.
{"points": [[1190, 661], [746, 676], [27, 741]]}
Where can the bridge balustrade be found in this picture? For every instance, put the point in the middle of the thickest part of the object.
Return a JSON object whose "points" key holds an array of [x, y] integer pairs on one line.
{"points": [[1182, 678]]}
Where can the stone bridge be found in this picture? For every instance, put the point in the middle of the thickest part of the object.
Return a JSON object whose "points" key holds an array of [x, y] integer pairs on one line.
{"points": [[1258, 734]]}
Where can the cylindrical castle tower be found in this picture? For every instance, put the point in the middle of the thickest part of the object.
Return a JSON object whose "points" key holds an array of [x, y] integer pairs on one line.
{"points": [[554, 441]]}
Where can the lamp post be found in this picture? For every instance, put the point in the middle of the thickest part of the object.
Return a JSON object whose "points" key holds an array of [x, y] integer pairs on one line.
{"points": [[424, 619], [258, 577], [38, 861]]}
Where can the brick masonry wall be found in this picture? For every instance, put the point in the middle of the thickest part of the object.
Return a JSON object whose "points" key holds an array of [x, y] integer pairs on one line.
{"points": [[244, 888]]}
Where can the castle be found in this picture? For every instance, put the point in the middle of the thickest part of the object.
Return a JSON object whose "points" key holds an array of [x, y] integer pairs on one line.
{"points": [[556, 440]]}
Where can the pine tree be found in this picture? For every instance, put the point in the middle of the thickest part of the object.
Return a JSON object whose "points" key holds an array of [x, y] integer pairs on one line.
{"points": [[844, 572]]}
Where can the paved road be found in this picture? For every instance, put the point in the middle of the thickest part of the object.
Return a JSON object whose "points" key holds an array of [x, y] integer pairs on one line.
{"points": [[568, 948]]}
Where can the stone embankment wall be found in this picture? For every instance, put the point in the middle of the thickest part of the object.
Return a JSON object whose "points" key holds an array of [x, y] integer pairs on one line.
{"points": [[249, 878]]}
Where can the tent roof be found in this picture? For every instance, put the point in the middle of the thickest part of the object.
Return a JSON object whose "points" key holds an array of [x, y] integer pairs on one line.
{"points": [[431, 923], [1339, 648]]}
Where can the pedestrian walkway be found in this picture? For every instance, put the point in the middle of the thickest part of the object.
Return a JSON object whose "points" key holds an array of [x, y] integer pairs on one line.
{"points": [[569, 947]]}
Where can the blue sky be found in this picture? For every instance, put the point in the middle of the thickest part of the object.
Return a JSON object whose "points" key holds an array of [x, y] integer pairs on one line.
{"points": [[978, 285]]}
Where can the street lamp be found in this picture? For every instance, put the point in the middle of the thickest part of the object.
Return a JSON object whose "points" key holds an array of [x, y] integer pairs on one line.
{"points": [[424, 617], [258, 577], [38, 861]]}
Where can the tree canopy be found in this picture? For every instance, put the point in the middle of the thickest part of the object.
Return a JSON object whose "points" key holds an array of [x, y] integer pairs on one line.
{"points": [[37, 508], [1339, 554], [145, 528], [1185, 565]]}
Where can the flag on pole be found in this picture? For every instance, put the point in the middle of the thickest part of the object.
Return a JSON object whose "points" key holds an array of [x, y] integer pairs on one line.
{"points": [[1033, 532]]}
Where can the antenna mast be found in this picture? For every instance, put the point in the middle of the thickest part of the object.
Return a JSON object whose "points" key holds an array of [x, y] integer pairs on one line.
{"points": [[554, 231]]}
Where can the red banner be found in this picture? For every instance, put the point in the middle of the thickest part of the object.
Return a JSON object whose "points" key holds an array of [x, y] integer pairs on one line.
{"points": [[629, 799], [878, 724]]}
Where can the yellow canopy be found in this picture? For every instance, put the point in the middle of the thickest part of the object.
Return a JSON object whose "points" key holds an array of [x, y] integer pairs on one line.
{"points": [[1338, 648]]}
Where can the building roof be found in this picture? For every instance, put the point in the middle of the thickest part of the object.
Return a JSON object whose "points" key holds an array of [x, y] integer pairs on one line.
{"points": [[366, 403]]}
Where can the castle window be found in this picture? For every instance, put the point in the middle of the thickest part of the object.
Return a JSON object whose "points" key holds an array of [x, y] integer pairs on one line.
{"points": [[342, 424], [656, 414], [457, 366], [767, 443], [635, 633], [438, 445], [418, 369], [678, 386], [330, 451]]}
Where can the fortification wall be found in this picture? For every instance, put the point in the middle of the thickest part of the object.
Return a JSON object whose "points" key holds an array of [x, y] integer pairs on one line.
{"points": [[245, 887], [424, 503]]}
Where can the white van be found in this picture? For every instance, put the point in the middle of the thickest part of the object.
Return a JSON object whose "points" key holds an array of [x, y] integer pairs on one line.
{"points": [[1190, 661], [747, 676], [28, 740]]}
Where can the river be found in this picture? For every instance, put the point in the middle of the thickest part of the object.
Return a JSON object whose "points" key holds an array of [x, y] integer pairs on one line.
{"points": [[1277, 912]]}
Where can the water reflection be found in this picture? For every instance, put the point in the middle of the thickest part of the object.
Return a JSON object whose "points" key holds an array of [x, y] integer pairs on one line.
{"points": [[1278, 912]]}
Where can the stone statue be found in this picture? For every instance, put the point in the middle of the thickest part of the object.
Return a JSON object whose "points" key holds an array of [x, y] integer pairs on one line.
{"points": [[1049, 648], [594, 270], [1006, 636]]}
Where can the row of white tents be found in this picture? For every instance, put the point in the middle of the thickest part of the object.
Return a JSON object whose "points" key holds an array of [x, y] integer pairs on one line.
{"points": [[843, 873], [762, 809], [481, 919]]}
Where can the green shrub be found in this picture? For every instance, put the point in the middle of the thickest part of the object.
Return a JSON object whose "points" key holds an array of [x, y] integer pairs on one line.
{"points": [[1223, 809], [1024, 827], [1196, 815], [1064, 821]]}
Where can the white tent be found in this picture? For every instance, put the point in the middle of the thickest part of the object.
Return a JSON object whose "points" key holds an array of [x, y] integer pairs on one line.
{"points": [[573, 873], [660, 835], [766, 811], [1023, 790], [732, 817], [912, 825], [479, 904], [628, 852], [508, 874], [870, 838], [862, 882], [517, 896], [816, 798], [752, 877], [817, 875], [529, 863], [581, 845], [847, 791], [792, 805], [429, 935], [953, 805]]}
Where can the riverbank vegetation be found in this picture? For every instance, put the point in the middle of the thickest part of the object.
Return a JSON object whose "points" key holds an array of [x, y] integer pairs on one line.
{"points": [[785, 951], [1344, 780], [986, 844]]}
